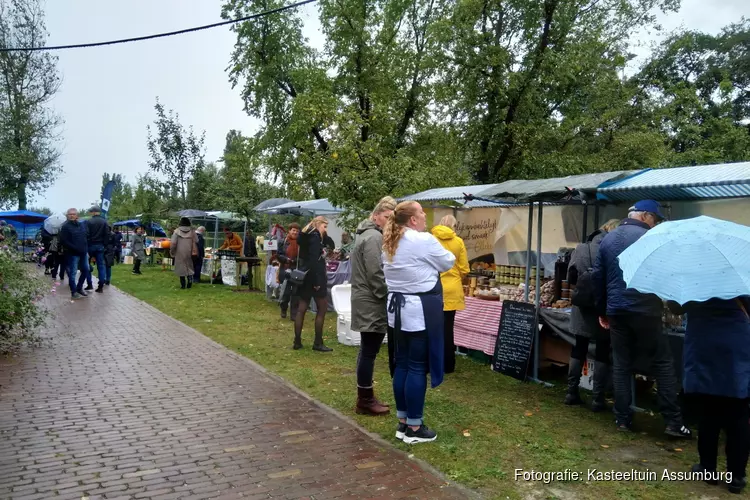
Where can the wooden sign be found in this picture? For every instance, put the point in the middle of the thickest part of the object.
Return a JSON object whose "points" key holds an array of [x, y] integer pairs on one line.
{"points": [[515, 336]]}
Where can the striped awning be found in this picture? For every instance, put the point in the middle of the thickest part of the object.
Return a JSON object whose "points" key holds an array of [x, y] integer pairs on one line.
{"points": [[726, 180]]}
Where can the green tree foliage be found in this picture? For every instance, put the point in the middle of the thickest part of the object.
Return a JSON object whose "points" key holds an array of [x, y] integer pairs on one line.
{"points": [[29, 158], [205, 189], [40, 210], [243, 182], [176, 153], [352, 123], [697, 87]]}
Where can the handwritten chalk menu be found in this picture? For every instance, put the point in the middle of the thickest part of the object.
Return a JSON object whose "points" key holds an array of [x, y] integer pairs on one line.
{"points": [[514, 339]]}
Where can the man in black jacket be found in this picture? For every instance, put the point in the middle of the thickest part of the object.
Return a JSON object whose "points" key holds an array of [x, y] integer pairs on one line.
{"points": [[97, 238], [74, 242], [635, 323]]}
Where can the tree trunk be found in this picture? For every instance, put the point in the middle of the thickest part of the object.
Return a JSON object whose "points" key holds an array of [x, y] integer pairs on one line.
{"points": [[21, 194]]}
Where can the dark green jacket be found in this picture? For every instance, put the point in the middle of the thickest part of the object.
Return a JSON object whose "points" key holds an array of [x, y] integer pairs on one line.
{"points": [[369, 291]]}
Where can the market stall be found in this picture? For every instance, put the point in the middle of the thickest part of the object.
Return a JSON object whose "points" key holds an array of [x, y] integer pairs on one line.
{"points": [[338, 271]]}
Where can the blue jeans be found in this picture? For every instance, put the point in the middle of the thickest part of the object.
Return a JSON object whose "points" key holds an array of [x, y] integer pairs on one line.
{"points": [[108, 274], [410, 376], [73, 262], [97, 251]]}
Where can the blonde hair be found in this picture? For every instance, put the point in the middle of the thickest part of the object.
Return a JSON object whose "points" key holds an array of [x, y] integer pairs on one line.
{"points": [[396, 225], [449, 221], [385, 204], [313, 224], [610, 225]]}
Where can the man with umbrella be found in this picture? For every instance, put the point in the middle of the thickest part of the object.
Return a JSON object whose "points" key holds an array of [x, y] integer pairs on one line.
{"points": [[635, 323], [700, 266]]}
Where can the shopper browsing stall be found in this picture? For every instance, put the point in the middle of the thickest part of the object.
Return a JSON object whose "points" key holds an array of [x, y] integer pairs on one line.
{"points": [[183, 248], [584, 321], [413, 261], [287, 257], [314, 284], [369, 293], [452, 281]]}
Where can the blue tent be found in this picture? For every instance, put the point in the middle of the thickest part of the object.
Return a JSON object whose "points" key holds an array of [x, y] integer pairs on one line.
{"points": [[26, 223], [153, 228]]}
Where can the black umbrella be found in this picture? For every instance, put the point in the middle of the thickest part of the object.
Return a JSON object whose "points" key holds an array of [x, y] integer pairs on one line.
{"points": [[273, 202]]}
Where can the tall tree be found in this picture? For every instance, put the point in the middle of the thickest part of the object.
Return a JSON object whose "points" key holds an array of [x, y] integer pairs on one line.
{"points": [[353, 123], [516, 72], [698, 89], [244, 182], [29, 157], [176, 152]]}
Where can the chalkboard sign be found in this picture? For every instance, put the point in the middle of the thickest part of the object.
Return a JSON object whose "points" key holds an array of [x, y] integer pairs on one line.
{"points": [[514, 339]]}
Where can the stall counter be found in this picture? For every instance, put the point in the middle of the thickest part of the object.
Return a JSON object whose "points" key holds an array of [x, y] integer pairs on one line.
{"points": [[476, 326]]}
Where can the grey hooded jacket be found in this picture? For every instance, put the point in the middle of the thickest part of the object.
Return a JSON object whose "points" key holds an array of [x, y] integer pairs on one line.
{"points": [[369, 291]]}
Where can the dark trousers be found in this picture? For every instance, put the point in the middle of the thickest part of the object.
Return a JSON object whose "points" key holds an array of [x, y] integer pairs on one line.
{"points": [[136, 265], [197, 266], [409, 377], [733, 416], [288, 297], [74, 262], [450, 348], [642, 337], [369, 348], [97, 252], [118, 257], [602, 348]]}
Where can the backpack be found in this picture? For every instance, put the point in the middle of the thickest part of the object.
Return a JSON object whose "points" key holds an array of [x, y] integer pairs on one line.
{"points": [[584, 294]]}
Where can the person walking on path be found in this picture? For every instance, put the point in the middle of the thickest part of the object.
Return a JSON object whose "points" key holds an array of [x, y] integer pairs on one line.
{"points": [[200, 243], [74, 242], [287, 257], [315, 284], [138, 250], [717, 382], [183, 248], [635, 323], [584, 322], [97, 234], [452, 282], [413, 261], [369, 293]]}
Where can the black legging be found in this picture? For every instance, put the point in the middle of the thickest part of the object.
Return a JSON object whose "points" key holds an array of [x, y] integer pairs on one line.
{"points": [[450, 348], [602, 348]]}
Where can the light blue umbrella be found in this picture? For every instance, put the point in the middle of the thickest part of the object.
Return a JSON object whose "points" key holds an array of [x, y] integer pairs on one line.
{"points": [[690, 260]]}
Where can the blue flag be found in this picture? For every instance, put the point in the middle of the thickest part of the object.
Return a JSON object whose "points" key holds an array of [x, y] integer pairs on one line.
{"points": [[107, 197]]}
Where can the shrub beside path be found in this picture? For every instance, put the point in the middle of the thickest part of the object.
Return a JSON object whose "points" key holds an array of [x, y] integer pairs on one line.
{"points": [[125, 402]]}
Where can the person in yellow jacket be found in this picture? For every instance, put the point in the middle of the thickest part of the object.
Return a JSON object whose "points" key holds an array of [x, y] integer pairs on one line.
{"points": [[452, 281]]}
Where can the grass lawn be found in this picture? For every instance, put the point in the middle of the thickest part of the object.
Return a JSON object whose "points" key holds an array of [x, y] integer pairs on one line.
{"points": [[488, 425]]}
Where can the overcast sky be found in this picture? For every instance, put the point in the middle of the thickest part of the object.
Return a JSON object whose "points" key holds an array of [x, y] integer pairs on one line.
{"points": [[108, 93]]}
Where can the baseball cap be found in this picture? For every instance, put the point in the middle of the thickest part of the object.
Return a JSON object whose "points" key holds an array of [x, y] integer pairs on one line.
{"points": [[651, 206], [95, 209]]}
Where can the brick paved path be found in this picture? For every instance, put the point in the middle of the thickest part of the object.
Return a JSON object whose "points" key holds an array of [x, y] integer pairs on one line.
{"points": [[126, 402]]}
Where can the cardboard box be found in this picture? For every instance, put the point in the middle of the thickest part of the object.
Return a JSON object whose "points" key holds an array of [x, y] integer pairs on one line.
{"points": [[128, 259]]}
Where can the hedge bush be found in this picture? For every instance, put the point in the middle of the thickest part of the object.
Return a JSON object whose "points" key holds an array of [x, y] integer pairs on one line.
{"points": [[20, 312]]}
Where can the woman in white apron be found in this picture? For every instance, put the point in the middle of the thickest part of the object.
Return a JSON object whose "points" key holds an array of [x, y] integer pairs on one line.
{"points": [[412, 263]]}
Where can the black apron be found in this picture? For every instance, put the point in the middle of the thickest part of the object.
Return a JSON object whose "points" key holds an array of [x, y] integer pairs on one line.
{"points": [[432, 307]]}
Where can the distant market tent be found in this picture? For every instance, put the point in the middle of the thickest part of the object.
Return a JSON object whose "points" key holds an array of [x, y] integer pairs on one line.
{"points": [[153, 228]]}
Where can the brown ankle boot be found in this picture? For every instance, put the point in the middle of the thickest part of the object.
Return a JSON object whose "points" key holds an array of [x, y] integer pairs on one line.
{"points": [[367, 404]]}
